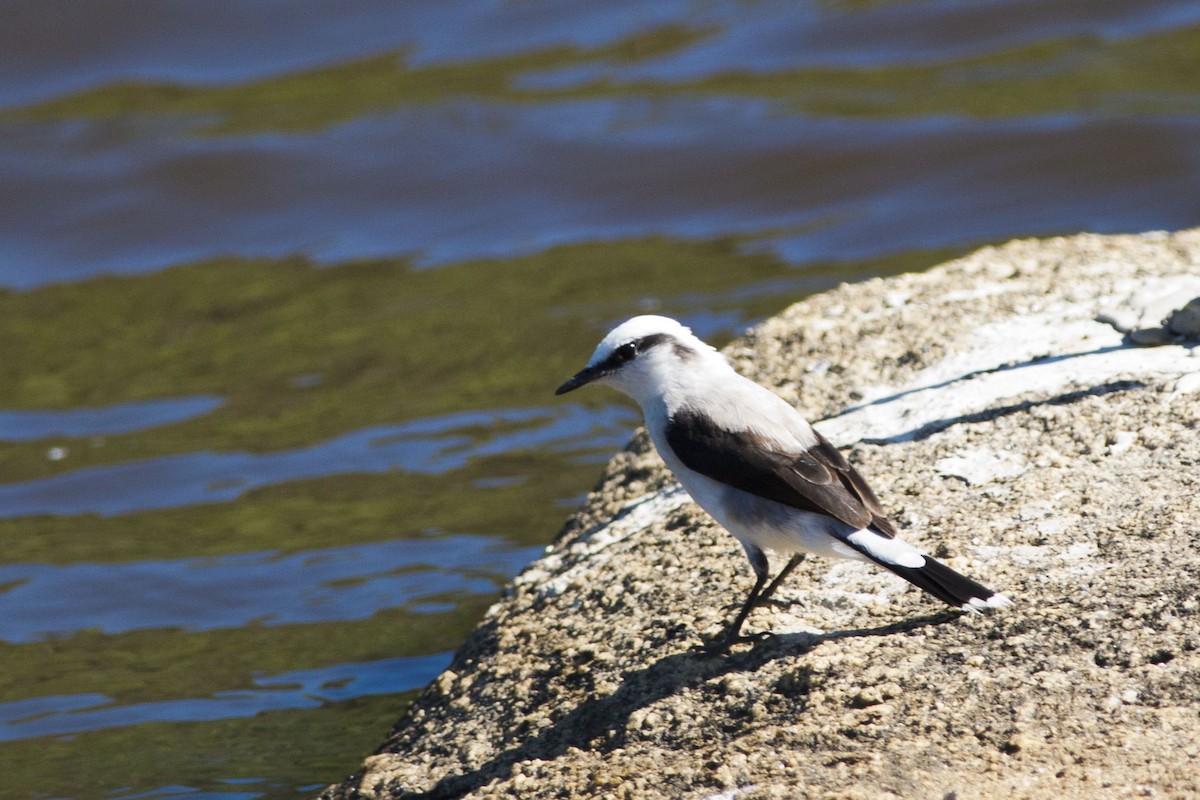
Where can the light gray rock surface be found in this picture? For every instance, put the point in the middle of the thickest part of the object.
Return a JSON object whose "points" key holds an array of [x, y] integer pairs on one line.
{"points": [[1001, 411]]}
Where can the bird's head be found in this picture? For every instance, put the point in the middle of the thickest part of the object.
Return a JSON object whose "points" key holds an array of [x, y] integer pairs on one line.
{"points": [[642, 357]]}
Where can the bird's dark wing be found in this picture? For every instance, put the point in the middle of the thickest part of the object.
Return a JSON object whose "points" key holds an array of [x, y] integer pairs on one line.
{"points": [[819, 479]]}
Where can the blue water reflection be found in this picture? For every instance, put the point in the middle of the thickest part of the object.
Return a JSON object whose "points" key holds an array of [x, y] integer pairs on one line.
{"points": [[24, 426], [39, 601], [872, 186], [173, 791], [290, 690], [435, 445]]}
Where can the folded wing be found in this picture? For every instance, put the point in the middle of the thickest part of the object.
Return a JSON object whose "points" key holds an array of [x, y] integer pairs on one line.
{"points": [[817, 479]]}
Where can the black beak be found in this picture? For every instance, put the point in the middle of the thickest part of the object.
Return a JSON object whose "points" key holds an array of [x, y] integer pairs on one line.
{"points": [[581, 378]]}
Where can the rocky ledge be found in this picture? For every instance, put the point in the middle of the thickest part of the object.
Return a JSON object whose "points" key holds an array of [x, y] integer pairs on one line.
{"points": [[1007, 412]]}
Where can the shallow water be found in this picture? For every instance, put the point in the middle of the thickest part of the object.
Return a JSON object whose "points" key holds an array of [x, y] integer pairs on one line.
{"points": [[289, 286]]}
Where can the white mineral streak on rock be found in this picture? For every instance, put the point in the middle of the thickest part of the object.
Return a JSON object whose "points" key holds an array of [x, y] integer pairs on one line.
{"points": [[1009, 360], [980, 465], [558, 569]]}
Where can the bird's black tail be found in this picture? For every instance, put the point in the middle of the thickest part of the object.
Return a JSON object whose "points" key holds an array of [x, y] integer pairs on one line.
{"points": [[949, 586]]}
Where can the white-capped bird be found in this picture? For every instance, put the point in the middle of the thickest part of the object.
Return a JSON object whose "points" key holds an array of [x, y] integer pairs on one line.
{"points": [[756, 465]]}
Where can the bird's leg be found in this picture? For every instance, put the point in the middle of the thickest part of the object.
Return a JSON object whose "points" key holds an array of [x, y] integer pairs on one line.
{"points": [[758, 595], [780, 578], [733, 633]]}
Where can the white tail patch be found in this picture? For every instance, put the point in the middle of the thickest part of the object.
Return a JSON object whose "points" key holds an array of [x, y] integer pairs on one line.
{"points": [[976, 605], [890, 551]]}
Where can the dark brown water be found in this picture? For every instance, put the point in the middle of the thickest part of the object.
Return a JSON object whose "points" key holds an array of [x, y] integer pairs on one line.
{"points": [[289, 286]]}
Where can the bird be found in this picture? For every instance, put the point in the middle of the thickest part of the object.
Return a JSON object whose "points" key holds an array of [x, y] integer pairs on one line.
{"points": [[757, 466]]}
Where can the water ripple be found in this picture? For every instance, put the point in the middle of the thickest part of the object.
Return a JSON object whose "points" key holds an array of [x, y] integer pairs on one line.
{"points": [[341, 583], [28, 426], [433, 446], [72, 714]]}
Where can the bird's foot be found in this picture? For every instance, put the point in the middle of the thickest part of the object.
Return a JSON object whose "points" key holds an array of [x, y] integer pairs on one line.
{"points": [[720, 644]]}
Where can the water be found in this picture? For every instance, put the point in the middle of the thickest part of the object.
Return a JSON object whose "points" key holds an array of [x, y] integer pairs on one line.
{"points": [[288, 287]]}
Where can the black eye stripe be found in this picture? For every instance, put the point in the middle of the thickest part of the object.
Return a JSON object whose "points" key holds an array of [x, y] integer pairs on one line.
{"points": [[646, 342], [630, 350]]}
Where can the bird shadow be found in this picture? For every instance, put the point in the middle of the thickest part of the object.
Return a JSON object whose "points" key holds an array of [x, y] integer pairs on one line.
{"points": [[599, 723]]}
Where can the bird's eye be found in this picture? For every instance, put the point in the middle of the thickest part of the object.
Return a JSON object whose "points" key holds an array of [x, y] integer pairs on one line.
{"points": [[626, 351]]}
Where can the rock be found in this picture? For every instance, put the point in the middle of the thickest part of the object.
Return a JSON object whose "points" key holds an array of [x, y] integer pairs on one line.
{"points": [[1157, 311], [979, 465], [1147, 303], [1185, 321], [1011, 430]]}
